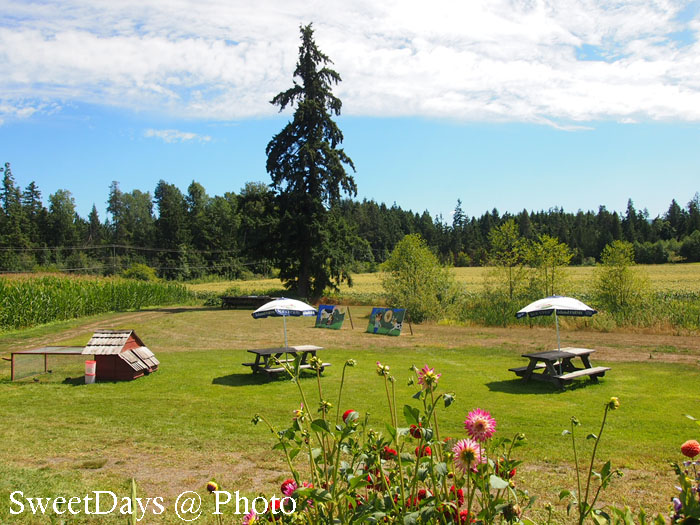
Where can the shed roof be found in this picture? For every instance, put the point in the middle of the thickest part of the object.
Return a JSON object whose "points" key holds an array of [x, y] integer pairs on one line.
{"points": [[133, 361], [106, 342], [145, 355]]}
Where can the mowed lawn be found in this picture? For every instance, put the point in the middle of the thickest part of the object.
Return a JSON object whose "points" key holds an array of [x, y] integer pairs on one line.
{"points": [[191, 421]]}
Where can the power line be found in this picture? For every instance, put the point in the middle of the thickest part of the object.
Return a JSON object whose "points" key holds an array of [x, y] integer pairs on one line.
{"points": [[112, 246]]}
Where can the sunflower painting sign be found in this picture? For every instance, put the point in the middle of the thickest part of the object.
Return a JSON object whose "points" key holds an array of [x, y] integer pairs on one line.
{"points": [[386, 321], [330, 316]]}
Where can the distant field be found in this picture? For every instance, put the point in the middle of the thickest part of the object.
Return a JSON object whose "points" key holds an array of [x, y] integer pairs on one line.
{"points": [[663, 277]]}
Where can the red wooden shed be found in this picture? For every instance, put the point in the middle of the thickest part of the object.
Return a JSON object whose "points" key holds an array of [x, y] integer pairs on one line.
{"points": [[120, 355]]}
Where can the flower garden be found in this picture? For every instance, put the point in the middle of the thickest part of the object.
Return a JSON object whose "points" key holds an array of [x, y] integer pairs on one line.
{"points": [[411, 474]]}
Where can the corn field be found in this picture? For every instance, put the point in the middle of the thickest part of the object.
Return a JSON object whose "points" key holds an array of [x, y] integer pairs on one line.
{"points": [[33, 301]]}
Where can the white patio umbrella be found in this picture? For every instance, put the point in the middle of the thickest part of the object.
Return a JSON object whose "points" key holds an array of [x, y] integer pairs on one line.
{"points": [[558, 304], [283, 307]]}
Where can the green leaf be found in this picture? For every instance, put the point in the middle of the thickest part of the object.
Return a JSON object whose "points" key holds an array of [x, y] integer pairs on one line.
{"points": [[591, 436], [566, 432], [441, 469], [605, 471], [293, 453], [320, 425], [358, 482], [392, 431], [411, 414], [497, 483], [448, 399], [564, 494]]}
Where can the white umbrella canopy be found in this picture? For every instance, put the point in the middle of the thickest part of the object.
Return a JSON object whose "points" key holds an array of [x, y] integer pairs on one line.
{"points": [[283, 307], [559, 305]]}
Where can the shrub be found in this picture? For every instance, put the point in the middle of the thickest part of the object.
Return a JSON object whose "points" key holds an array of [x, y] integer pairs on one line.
{"points": [[415, 280], [140, 272], [690, 249], [619, 288]]}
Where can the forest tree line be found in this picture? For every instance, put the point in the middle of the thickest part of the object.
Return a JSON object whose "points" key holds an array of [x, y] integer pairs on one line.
{"points": [[192, 234]]}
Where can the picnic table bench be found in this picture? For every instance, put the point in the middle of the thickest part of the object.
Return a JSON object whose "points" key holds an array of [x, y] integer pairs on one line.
{"points": [[556, 366], [269, 360]]}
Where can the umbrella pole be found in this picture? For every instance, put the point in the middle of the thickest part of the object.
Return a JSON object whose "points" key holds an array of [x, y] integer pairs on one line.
{"points": [[284, 318], [556, 322]]}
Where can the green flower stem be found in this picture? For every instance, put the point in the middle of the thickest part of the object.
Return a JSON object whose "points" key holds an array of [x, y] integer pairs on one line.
{"points": [[340, 393], [385, 484], [578, 474], [398, 448], [324, 438], [284, 447], [435, 422], [388, 398], [590, 468]]}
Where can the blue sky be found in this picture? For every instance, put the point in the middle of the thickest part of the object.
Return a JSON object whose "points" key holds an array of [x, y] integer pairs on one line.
{"points": [[503, 104]]}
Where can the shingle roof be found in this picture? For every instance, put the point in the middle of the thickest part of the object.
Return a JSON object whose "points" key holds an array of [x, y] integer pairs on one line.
{"points": [[147, 357], [106, 342], [132, 359]]}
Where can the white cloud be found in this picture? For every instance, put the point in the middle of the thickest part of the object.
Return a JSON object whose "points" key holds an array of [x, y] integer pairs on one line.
{"points": [[491, 60], [173, 135]]}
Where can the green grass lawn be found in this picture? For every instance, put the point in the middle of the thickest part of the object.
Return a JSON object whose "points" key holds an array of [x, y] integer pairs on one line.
{"points": [[191, 420]]}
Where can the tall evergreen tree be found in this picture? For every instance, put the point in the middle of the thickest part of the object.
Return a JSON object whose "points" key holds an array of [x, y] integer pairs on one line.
{"points": [[35, 214], [307, 168], [13, 216]]}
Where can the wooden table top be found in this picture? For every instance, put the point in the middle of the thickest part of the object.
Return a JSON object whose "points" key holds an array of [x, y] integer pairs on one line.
{"points": [[285, 350], [551, 355]]}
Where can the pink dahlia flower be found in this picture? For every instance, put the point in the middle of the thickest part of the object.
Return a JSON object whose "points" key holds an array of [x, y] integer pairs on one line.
{"points": [[250, 518], [480, 425], [467, 454], [288, 487], [427, 378]]}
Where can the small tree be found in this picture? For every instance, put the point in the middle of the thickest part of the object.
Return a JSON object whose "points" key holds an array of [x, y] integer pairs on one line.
{"points": [[508, 254], [415, 280], [547, 256], [618, 285]]}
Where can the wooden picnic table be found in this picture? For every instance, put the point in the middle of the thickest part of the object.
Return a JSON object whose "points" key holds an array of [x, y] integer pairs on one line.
{"points": [[557, 366], [270, 360]]}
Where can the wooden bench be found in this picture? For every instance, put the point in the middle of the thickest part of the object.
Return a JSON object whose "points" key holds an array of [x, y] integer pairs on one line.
{"points": [[279, 369], [594, 372], [520, 370]]}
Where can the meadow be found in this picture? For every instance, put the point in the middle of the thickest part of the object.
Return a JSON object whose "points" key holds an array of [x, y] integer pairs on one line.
{"points": [[191, 421], [663, 277]]}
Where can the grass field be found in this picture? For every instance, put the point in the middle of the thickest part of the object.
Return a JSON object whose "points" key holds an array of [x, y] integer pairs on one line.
{"points": [[663, 277], [190, 421]]}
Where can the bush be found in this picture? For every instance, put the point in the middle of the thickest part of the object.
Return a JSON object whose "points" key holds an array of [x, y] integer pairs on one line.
{"points": [[619, 288], [416, 281], [690, 249], [650, 253], [140, 272]]}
